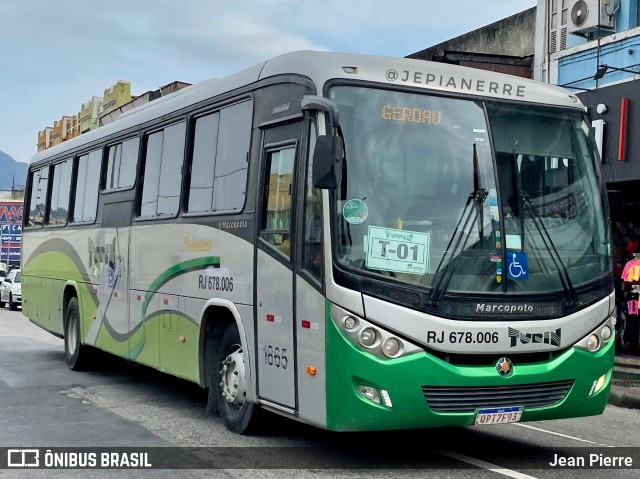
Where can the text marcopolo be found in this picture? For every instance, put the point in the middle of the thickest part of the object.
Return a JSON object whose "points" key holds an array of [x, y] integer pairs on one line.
{"points": [[504, 308]]}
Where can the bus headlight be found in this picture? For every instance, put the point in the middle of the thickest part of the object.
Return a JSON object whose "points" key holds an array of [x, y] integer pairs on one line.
{"points": [[368, 337], [605, 333], [598, 338], [350, 323], [391, 347], [593, 343], [370, 393], [374, 395], [598, 384]]}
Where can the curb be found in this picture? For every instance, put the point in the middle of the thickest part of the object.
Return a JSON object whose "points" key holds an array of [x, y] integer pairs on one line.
{"points": [[627, 361], [625, 397], [626, 383]]}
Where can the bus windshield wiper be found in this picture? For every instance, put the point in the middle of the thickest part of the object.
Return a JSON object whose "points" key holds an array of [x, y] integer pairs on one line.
{"points": [[565, 280], [475, 200]]}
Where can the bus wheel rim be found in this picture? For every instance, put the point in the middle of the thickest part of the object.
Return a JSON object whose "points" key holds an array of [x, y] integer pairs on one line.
{"points": [[234, 385]]}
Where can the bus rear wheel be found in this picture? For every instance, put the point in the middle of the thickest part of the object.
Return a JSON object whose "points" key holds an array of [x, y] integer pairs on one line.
{"points": [[230, 383], [75, 353]]}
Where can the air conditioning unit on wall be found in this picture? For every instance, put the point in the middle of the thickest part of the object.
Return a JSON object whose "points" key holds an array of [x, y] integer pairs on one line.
{"points": [[588, 16]]}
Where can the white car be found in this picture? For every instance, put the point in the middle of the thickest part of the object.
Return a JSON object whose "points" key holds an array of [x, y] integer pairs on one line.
{"points": [[11, 290]]}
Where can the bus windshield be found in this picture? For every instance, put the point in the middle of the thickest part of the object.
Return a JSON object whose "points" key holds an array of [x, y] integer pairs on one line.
{"points": [[424, 201]]}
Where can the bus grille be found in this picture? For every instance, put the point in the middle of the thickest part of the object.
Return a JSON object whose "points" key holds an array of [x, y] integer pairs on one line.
{"points": [[468, 399]]}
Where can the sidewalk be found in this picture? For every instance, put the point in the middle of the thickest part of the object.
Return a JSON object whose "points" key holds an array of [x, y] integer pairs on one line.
{"points": [[625, 385]]}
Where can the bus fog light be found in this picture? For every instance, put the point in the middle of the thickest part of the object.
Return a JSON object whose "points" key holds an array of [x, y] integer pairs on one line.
{"points": [[605, 333], [370, 393], [350, 323], [613, 320], [386, 398], [593, 343], [598, 384], [391, 347], [368, 337]]}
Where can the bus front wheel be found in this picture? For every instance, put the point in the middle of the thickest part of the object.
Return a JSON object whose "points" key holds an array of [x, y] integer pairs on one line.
{"points": [[230, 383], [75, 353]]}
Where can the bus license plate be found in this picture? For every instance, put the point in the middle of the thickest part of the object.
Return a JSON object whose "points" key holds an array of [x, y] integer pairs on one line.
{"points": [[501, 415]]}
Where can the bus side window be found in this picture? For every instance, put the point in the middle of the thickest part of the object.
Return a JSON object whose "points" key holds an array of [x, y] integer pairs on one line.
{"points": [[60, 190], [312, 248], [276, 228], [122, 161], [219, 162], [87, 185], [37, 201], [163, 171]]}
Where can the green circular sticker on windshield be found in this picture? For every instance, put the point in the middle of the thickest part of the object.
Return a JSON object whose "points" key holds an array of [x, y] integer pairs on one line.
{"points": [[355, 211]]}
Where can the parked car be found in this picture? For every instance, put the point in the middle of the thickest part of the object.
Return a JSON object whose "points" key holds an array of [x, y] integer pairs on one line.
{"points": [[11, 290]]}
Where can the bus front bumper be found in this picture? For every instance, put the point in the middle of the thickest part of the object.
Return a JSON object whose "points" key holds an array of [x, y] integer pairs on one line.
{"points": [[407, 386]]}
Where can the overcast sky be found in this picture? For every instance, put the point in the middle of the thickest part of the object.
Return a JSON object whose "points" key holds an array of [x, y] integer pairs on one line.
{"points": [[56, 55]]}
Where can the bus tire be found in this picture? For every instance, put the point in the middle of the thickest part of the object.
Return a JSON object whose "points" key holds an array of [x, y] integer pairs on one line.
{"points": [[2, 303], [230, 383], [75, 353]]}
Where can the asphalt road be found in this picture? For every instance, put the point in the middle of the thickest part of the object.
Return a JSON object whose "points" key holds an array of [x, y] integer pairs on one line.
{"points": [[117, 404]]}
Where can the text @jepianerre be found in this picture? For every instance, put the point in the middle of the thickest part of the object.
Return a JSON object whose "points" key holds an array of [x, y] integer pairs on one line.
{"points": [[593, 460]]}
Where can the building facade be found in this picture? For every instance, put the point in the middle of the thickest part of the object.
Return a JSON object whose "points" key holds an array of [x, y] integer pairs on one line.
{"points": [[61, 129], [574, 38], [88, 115], [141, 100], [505, 46], [44, 138], [115, 96], [592, 47], [100, 111]]}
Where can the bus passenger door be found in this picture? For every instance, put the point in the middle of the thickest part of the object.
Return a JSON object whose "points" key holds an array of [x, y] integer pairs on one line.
{"points": [[276, 355]]}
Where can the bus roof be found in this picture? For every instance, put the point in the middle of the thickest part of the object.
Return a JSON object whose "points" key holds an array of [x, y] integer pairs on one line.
{"points": [[323, 66]]}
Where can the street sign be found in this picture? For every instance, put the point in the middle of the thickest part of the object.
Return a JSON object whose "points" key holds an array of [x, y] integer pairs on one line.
{"points": [[10, 231]]}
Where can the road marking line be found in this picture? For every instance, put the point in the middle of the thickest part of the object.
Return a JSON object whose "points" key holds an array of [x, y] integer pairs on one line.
{"points": [[485, 465], [561, 435]]}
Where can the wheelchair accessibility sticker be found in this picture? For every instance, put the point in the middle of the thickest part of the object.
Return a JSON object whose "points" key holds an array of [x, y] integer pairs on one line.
{"points": [[517, 266]]}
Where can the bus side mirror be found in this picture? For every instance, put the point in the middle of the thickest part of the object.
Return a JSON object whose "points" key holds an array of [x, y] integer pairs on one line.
{"points": [[326, 156]]}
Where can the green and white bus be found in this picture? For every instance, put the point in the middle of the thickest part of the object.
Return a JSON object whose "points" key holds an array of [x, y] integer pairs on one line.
{"points": [[355, 242]]}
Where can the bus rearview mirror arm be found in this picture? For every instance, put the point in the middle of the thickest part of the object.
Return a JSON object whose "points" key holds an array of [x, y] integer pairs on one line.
{"points": [[315, 102], [328, 149]]}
